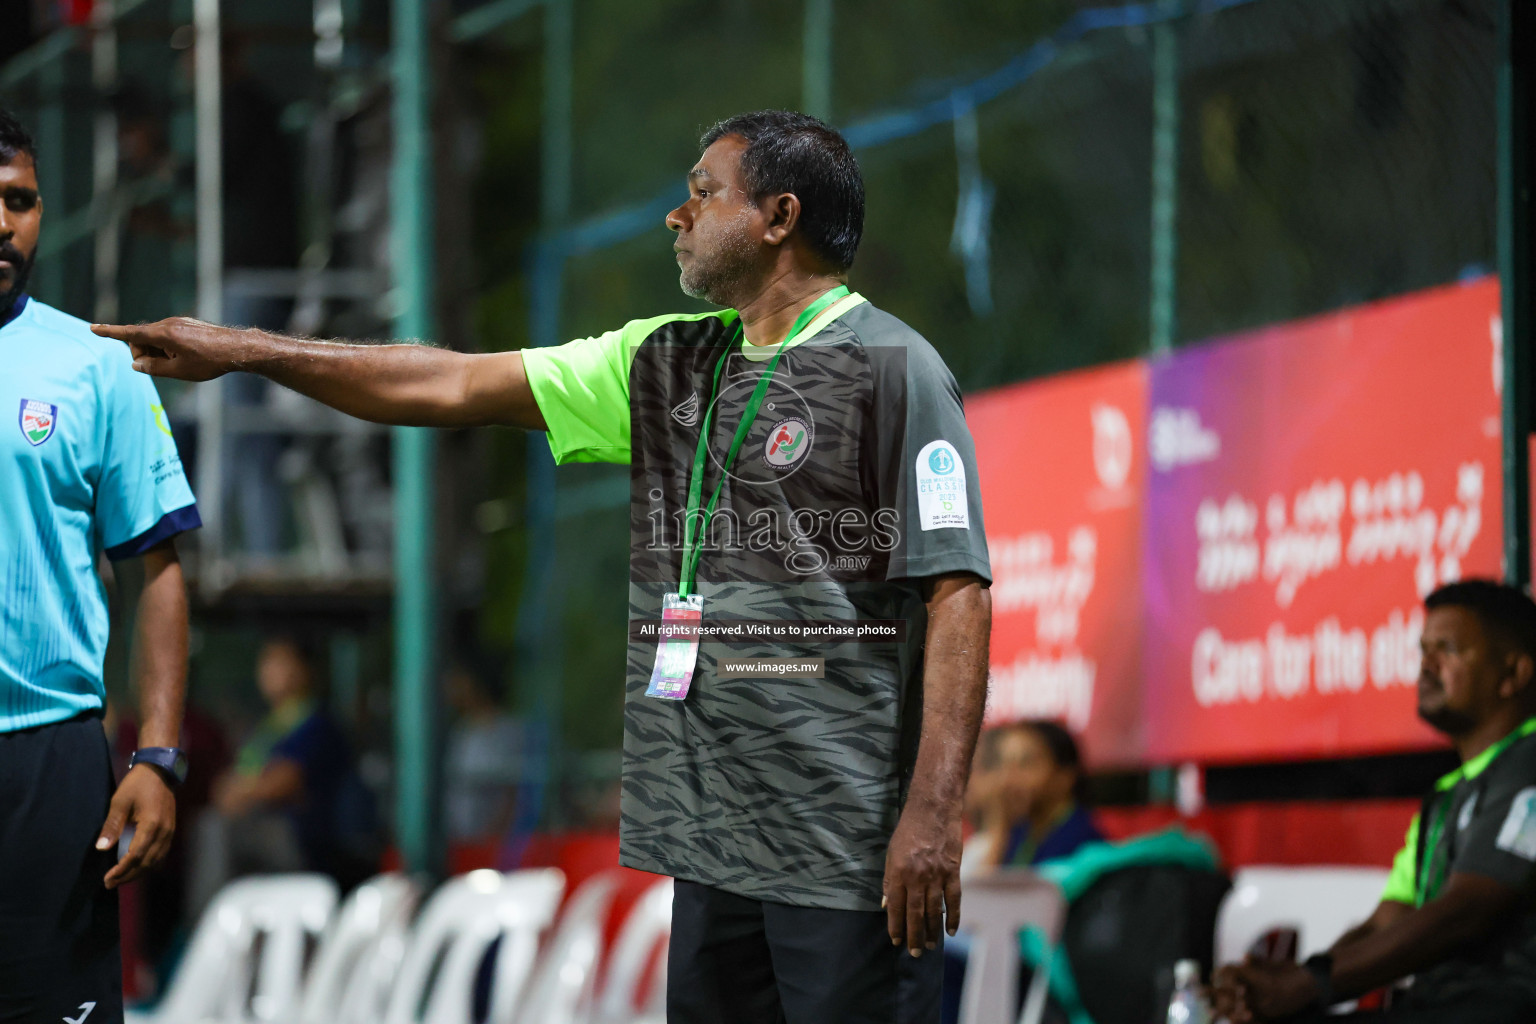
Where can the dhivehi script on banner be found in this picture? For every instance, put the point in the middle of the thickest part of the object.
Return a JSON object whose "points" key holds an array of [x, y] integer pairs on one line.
{"points": [[1221, 555], [1308, 484]]}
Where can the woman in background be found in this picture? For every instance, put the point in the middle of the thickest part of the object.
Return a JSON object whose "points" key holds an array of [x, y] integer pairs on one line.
{"points": [[1026, 798]]}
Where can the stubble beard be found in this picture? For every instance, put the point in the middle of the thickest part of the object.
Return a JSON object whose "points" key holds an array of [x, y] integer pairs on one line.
{"points": [[717, 275], [1446, 721], [21, 272]]}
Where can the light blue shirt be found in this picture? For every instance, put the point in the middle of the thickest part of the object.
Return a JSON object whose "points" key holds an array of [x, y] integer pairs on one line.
{"points": [[87, 465]]}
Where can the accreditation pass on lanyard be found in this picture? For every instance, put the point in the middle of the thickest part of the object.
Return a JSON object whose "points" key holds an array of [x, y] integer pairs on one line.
{"points": [[682, 612]]}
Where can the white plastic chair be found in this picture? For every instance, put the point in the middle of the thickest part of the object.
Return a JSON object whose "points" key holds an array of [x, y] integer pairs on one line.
{"points": [[450, 938], [998, 906], [563, 986], [1321, 903], [222, 965], [647, 926], [357, 959]]}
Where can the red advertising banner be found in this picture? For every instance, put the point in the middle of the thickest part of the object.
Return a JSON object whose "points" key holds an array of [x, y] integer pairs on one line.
{"points": [[1307, 484], [1062, 479]]}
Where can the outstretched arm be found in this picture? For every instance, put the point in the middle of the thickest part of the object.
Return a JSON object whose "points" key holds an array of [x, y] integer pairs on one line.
{"points": [[407, 385]]}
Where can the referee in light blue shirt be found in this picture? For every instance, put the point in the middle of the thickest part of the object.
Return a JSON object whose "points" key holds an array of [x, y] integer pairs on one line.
{"points": [[87, 466]]}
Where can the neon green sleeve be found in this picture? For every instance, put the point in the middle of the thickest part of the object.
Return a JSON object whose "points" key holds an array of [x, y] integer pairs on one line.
{"points": [[582, 388], [1401, 885]]}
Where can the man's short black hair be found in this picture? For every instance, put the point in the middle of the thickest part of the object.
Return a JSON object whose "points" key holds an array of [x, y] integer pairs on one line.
{"points": [[1506, 612], [792, 152], [14, 139]]}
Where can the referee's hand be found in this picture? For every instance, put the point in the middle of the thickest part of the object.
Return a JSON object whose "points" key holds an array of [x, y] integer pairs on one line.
{"points": [[144, 800]]}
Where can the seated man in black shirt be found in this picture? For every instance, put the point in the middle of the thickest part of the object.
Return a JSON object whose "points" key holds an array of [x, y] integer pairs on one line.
{"points": [[1457, 912]]}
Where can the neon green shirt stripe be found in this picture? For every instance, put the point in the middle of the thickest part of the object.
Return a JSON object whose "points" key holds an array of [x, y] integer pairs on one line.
{"points": [[1401, 886], [582, 387]]}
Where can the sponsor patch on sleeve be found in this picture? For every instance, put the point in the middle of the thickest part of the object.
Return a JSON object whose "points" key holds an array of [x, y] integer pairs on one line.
{"points": [[1518, 834], [941, 503]]}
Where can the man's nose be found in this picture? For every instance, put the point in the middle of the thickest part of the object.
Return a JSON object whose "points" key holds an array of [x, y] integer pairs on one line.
{"points": [[677, 219]]}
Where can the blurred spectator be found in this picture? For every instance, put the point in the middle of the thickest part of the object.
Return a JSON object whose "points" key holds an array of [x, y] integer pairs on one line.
{"points": [[153, 233], [1025, 798], [261, 209], [294, 801], [483, 760]]}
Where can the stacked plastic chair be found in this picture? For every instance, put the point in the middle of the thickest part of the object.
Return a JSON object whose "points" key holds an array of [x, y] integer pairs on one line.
{"points": [[245, 963]]}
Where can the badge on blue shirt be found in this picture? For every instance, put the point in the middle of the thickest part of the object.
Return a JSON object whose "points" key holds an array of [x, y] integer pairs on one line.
{"points": [[37, 420]]}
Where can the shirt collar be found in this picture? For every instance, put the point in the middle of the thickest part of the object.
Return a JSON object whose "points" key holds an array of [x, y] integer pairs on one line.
{"points": [[17, 308], [762, 353], [1475, 767]]}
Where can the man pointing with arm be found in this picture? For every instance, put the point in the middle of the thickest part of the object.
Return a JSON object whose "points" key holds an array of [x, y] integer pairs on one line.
{"points": [[798, 457]]}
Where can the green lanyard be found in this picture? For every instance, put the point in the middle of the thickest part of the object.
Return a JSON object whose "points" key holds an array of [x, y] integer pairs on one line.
{"points": [[693, 528], [1429, 887]]}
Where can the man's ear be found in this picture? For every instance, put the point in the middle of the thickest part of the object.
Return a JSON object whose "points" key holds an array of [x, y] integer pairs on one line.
{"points": [[1521, 668], [781, 214]]}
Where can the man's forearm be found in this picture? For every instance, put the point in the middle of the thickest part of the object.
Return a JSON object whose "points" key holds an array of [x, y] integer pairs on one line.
{"points": [[1387, 914], [922, 866], [1464, 914], [407, 385], [161, 662], [954, 690]]}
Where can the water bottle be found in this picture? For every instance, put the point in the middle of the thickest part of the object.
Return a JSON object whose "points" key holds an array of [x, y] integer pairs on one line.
{"points": [[1188, 1004]]}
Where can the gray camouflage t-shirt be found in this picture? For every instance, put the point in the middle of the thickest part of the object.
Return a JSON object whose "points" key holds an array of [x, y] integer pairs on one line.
{"points": [[855, 482], [1480, 819]]}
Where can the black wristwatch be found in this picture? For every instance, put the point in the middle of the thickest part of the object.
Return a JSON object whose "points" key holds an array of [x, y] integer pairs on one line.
{"points": [[171, 761], [1320, 966]]}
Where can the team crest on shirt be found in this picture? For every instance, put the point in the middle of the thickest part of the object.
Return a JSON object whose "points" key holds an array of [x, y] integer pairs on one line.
{"points": [[37, 420], [787, 443]]}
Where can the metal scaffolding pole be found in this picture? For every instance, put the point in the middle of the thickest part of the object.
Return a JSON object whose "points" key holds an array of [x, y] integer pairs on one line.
{"points": [[48, 279], [1516, 28], [1165, 183], [415, 611], [104, 158], [206, 86], [816, 60], [538, 643]]}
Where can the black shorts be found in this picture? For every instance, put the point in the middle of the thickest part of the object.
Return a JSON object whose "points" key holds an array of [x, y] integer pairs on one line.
{"points": [[734, 960], [59, 955]]}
